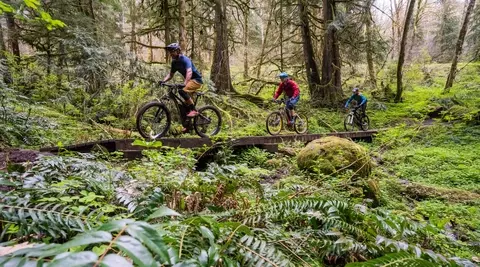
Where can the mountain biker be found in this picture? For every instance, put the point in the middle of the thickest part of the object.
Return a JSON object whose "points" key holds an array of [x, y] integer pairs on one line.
{"points": [[292, 91], [360, 99], [193, 78]]}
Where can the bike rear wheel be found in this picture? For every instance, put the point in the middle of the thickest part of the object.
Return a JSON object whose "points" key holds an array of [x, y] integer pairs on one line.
{"points": [[274, 123], [348, 123], [208, 122], [365, 123], [153, 120], [301, 124]]}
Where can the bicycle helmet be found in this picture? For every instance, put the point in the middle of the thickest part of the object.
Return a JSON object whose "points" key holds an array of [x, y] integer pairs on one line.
{"points": [[355, 90], [173, 47], [283, 75]]}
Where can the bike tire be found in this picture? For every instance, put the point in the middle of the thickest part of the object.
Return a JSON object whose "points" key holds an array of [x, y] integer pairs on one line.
{"points": [[301, 124], [202, 118], [141, 114], [277, 117], [346, 123], [365, 123]]}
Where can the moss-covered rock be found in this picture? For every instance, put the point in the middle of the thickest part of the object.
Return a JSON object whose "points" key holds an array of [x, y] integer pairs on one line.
{"points": [[332, 155]]}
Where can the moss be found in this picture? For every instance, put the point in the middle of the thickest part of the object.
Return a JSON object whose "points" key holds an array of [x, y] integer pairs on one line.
{"points": [[419, 191], [332, 155]]}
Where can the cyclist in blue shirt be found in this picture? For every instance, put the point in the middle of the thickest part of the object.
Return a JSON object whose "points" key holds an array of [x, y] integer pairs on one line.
{"points": [[193, 78], [360, 99]]}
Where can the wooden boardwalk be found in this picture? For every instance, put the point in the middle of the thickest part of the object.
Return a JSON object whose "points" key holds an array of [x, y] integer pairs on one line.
{"points": [[267, 142]]}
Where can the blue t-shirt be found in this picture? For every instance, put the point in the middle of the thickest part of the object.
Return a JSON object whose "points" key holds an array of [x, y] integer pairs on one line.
{"points": [[182, 64], [360, 99]]}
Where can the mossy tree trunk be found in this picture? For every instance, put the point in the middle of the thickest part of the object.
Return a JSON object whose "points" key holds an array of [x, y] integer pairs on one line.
{"points": [[401, 56], [458, 48]]}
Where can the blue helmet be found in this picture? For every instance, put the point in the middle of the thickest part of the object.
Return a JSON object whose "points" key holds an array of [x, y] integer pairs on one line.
{"points": [[173, 46], [283, 75]]}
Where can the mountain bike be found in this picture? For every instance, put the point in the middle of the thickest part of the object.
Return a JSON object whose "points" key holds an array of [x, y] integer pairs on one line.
{"points": [[154, 118], [355, 118], [275, 120]]}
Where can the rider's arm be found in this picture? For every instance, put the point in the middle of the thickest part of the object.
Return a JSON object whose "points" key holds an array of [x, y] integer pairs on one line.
{"points": [[364, 100], [278, 92], [188, 75], [348, 101], [296, 90], [188, 68], [168, 77]]}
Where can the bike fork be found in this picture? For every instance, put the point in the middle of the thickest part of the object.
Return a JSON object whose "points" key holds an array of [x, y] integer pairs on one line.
{"points": [[159, 112]]}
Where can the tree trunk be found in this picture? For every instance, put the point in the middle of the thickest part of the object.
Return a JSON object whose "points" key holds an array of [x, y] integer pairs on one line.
{"points": [[13, 36], [133, 19], [330, 89], [166, 14], [182, 24], [220, 74], [371, 66], [416, 25], [401, 56], [7, 76], [150, 49], [281, 35], [265, 38], [245, 43], [60, 65], [310, 64], [458, 48]]}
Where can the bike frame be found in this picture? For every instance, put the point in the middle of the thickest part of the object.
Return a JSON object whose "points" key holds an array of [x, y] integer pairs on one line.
{"points": [[355, 115], [283, 109], [179, 103]]}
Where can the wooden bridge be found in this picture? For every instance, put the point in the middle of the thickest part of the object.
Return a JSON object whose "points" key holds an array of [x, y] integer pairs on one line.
{"points": [[269, 143]]}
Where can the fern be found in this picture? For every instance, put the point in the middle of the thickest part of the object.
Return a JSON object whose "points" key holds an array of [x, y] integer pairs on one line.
{"points": [[46, 219], [396, 259], [258, 252]]}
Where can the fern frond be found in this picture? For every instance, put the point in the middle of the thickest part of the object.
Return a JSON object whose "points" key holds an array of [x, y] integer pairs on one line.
{"points": [[258, 252], [395, 259], [46, 219]]}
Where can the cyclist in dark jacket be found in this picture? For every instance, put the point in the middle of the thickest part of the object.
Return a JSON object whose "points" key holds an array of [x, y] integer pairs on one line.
{"points": [[292, 91], [360, 99]]}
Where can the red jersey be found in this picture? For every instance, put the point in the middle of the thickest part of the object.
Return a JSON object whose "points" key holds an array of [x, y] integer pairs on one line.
{"points": [[290, 87]]}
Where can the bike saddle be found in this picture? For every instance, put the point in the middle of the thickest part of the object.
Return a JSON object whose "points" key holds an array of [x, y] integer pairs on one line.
{"points": [[199, 93]]}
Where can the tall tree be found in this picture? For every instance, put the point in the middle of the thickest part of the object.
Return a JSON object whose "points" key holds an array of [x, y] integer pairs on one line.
{"points": [[401, 56], [246, 15], [182, 24], [474, 35], [13, 36], [330, 89], [369, 44], [313, 77], [220, 74], [7, 77], [446, 33], [416, 31], [458, 48]]}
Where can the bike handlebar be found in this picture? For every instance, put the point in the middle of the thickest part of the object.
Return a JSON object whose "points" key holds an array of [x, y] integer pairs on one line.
{"points": [[172, 86]]}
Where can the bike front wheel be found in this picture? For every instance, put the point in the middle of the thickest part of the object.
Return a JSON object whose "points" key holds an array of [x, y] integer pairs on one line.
{"points": [[348, 123], [274, 123], [208, 122], [301, 124], [153, 120], [365, 123]]}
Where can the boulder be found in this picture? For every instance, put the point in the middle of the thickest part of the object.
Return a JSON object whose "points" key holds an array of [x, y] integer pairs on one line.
{"points": [[332, 155]]}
